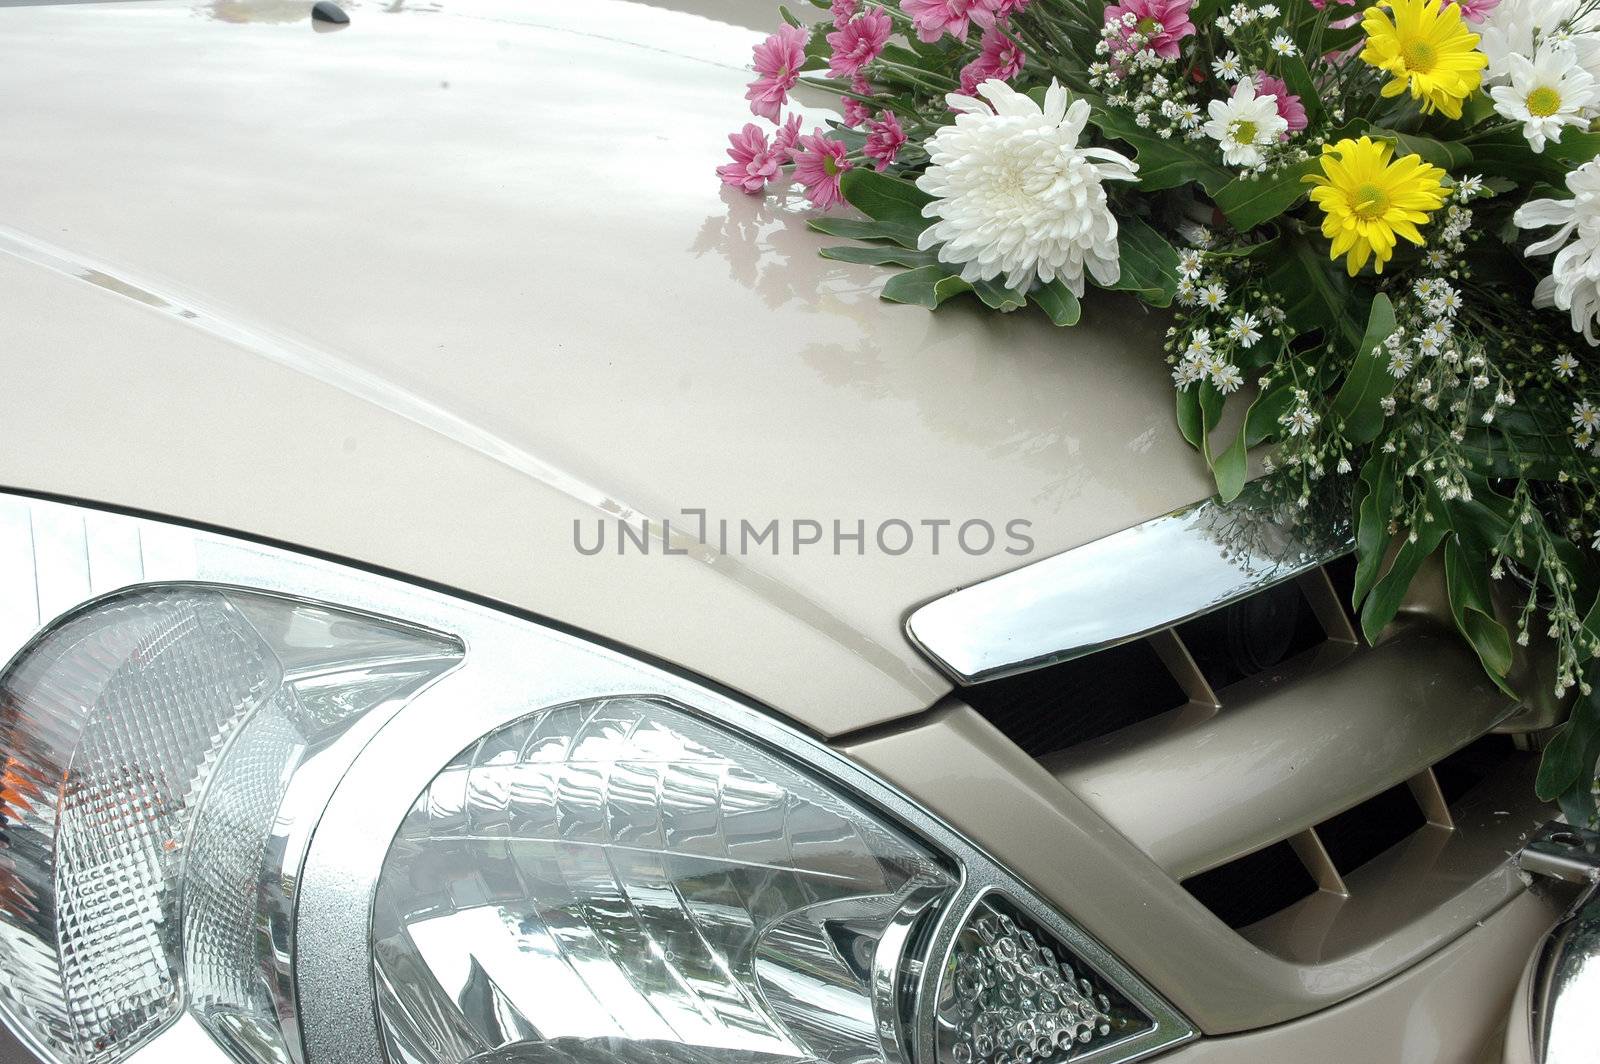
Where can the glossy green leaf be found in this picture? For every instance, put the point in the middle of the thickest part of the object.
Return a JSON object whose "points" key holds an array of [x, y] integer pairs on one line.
{"points": [[1447, 155], [866, 229], [1316, 292], [997, 296], [1359, 402], [1163, 163], [1058, 301], [1262, 421], [1372, 524], [1467, 581], [1189, 418], [1149, 262], [1250, 201], [879, 255], [925, 286], [1566, 761], [884, 198], [1384, 602]]}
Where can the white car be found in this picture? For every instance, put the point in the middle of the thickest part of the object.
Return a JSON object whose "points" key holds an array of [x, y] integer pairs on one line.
{"points": [[476, 590]]}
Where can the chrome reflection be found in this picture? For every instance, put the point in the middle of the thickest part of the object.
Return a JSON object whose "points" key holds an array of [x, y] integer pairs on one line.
{"points": [[1132, 583], [1564, 1002]]}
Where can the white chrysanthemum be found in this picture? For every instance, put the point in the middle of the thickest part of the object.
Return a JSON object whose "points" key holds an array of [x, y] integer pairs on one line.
{"points": [[1517, 28], [1245, 123], [1014, 194], [1546, 94], [1574, 281]]}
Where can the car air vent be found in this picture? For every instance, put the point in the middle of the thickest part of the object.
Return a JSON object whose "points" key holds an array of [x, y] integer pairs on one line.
{"points": [[1255, 886], [1053, 709], [1263, 883], [1059, 706], [1252, 635]]}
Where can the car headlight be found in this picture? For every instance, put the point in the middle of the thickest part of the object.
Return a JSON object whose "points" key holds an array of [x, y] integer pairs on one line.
{"points": [[265, 807]]}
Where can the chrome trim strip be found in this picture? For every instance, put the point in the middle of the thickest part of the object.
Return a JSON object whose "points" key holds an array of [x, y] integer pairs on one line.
{"points": [[1132, 583]]}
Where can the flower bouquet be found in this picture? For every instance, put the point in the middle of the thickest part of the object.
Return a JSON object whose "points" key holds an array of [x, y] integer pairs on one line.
{"points": [[1377, 230]]}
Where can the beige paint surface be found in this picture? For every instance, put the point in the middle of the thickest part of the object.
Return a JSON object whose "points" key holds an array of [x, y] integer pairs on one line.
{"points": [[480, 281]]}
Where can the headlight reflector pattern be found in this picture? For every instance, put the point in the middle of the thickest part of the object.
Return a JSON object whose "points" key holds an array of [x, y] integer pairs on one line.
{"points": [[621, 871]]}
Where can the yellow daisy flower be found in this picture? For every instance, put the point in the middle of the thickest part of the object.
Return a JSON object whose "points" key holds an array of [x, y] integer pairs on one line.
{"points": [[1366, 199], [1427, 47]]}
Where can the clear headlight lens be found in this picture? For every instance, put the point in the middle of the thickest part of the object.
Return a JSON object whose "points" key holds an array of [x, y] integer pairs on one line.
{"points": [[260, 808], [148, 742], [618, 872]]}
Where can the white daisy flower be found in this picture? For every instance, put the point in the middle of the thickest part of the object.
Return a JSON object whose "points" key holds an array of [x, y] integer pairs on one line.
{"points": [[1299, 421], [1564, 365], [1269, 10], [1425, 287], [1546, 94], [1574, 282], [1282, 45], [1245, 329], [1586, 417], [1015, 196], [1188, 293], [1445, 303], [1190, 263], [1469, 186], [1199, 344], [1399, 364], [1226, 378], [1229, 68], [1187, 115], [1245, 123], [1518, 27], [1213, 296]]}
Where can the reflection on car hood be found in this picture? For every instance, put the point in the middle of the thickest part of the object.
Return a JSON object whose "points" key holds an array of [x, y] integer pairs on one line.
{"points": [[498, 222]]}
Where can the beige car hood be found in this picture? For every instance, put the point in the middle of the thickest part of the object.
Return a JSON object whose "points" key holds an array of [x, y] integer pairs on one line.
{"points": [[427, 289]]}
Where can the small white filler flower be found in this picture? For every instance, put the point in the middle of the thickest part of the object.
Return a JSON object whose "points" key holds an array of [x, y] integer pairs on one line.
{"points": [[1015, 195], [1574, 281], [1245, 123], [1547, 93]]}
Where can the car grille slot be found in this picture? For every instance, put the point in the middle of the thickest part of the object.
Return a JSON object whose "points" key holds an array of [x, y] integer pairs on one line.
{"points": [[1058, 707], [1260, 884]]}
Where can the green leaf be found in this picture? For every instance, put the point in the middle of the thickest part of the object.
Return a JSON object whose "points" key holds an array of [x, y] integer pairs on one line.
{"points": [[1149, 263], [1566, 761], [1387, 595], [1228, 468], [1250, 201], [1298, 77], [1372, 524], [1316, 294], [865, 229], [1368, 382], [926, 286], [998, 296], [1162, 163], [1466, 578], [1058, 301], [1262, 419], [879, 256], [1447, 155], [891, 200], [1189, 417]]}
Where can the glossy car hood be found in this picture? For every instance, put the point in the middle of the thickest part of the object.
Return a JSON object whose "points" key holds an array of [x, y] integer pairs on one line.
{"points": [[425, 290]]}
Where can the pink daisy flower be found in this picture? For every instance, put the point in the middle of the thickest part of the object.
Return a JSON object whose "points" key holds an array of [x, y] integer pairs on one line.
{"points": [[778, 60], [844, 10], [934, 18], [858, 42], [819, 163], [755, 162], [856, 113], [1290, 109], [1162, 22], [999, 57], [1476, 10], [786, 135], [885, 138]]}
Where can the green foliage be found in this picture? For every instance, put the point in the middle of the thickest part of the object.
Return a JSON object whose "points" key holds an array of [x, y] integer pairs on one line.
{"points": [[1368, 381]]}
